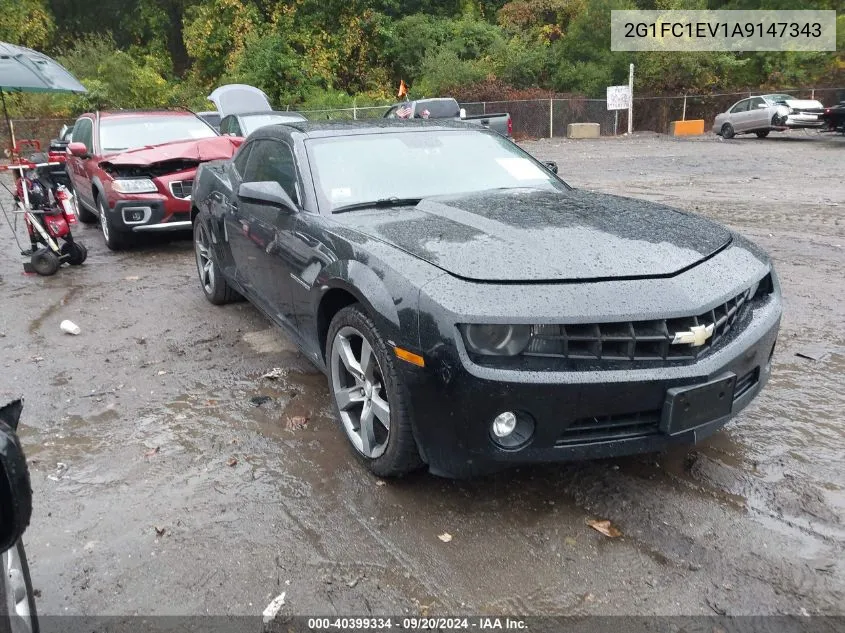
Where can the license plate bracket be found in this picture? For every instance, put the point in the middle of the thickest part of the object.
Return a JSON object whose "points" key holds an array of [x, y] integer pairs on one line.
{"points": [[687, 408]]}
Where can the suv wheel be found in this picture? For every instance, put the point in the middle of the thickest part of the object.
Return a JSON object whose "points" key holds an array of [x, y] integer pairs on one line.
{"points": [[114, 240]]}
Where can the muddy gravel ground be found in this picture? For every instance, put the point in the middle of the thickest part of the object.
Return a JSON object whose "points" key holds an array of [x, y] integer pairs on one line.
{"points": [[162, 488]]}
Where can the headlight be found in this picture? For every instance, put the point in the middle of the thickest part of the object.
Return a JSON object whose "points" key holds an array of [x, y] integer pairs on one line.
{"points": [[762, 288], [134, 185], [496, 340]]}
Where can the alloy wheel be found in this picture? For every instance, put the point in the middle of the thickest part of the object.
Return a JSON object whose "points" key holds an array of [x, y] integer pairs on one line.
{"points": [[104, 221], [205, 265], [17, 593], [359, 392]]}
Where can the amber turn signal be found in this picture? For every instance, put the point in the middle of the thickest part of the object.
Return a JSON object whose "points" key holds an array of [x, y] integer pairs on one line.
{"points": [[409, 357]]}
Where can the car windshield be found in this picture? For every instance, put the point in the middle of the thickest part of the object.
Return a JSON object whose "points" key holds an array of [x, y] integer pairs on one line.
{"points": [[356, 169], [130, 132], [252, 122], [778, 98]]}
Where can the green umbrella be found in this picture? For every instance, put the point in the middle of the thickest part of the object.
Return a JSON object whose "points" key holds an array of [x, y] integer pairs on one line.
{"points": [[25, 70]]}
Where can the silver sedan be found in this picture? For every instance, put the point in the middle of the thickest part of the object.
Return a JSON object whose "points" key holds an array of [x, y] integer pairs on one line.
{"points": [[765, 113]]}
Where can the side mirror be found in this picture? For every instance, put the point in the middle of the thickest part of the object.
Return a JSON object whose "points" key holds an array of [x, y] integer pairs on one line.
{"points": [[15, 489], [78, 149], [762, 105], [551, 166], [463, 113], [267, 192]]}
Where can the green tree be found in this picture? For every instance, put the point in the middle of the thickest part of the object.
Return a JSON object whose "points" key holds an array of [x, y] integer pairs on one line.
{"points": [[27, 23]]}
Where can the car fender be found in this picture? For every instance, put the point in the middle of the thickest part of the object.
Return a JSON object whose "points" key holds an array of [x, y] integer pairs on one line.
{"points": [[362, 282], [98, 189]]}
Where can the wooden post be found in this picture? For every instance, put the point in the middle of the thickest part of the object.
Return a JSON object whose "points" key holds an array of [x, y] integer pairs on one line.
{"points": [[684, 115]]}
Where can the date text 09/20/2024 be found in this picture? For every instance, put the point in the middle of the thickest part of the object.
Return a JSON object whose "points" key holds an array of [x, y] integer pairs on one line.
{"points": [[416, 623]]}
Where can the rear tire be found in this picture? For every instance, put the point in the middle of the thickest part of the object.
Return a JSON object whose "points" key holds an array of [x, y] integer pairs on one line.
{"points": [[762, 133], [45, 262], [366, 387], [214, 286], [115, 241], [728, 131], [77, 253]]}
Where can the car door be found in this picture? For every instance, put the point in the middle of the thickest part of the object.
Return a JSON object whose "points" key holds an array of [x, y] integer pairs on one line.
{"points": [[758, 114], [739, 116], [79, 169], [270, 253], [226, 222]]}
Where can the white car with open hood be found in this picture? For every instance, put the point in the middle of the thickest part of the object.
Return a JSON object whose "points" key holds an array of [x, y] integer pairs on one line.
{"points": [[763, 114]]}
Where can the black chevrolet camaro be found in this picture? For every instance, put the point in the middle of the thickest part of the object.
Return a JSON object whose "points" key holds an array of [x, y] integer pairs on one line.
{"points": [[470, 309]]}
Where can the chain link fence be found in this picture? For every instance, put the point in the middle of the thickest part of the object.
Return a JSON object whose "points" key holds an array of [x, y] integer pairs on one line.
{"points": [[546, 118], [536, 118]]}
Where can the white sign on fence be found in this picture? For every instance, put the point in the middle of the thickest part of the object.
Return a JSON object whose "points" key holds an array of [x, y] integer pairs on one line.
{"points": [[618, 97]]}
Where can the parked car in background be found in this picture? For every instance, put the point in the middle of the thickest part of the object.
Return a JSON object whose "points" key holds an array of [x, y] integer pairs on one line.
{"points": [[17, 598], [246, 123], [448, 108], [212, 118], [834, 118], [58, 154], [470, 309], [65, 136], [766, 113], [134, 170]]}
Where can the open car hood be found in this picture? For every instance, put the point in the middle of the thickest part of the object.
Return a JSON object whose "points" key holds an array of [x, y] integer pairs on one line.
{"points": [[199, 151], [238, 99], [804, 104]]}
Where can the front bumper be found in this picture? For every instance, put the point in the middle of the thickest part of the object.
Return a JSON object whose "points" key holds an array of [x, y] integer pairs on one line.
{"points": [[148, 215], [576, 414]]}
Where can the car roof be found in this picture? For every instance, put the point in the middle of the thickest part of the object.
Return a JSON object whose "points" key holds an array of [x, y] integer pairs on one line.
{"points": [[323, 129], [134, 113], [291, 113]]}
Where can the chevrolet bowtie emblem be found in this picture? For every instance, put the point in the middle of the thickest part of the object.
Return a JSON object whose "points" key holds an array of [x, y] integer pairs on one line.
{"points": [[695, 336]]}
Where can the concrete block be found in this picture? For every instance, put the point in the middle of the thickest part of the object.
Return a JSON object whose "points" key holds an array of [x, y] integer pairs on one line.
{"points": [[583, 130], [693, 127]]}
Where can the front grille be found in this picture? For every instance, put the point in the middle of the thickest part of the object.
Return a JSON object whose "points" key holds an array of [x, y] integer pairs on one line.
{"points": [[611, 427], [634, 340], [182, 188]]}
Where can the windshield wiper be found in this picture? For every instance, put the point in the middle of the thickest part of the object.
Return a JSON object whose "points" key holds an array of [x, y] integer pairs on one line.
{"points": [[381, 202]]}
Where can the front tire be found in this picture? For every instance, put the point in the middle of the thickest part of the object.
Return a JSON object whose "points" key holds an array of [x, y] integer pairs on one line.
{"points": [[115, 241], [728, 131], [214, 286], [369, 395], [17, 611], [762, 133], [45, 262]]}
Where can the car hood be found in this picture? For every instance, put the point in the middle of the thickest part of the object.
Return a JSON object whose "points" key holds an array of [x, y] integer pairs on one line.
{"points": [[198, 150], [804, 104], [530, 235]]}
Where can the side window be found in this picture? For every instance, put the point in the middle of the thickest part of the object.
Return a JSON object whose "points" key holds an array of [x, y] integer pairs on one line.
{"points": [[756, 102], [241, 158], [272, 160], [742, 106], [83, 133]]}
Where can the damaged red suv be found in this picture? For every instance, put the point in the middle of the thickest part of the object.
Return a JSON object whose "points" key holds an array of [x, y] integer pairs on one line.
{"points": [[134, 170]]}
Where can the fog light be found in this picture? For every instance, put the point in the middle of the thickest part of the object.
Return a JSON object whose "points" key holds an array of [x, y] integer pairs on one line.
{"points": [[504, 424]]}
